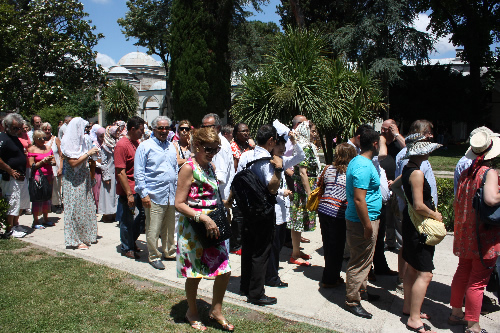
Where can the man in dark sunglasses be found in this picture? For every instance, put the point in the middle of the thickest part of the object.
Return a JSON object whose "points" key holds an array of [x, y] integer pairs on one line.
{"points": [[223, 161]]}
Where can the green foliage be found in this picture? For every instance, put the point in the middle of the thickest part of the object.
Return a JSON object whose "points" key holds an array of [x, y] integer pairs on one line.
{"points": [[120, 101], [445, 201], [300, 79], [4, 207], [46, 52]]}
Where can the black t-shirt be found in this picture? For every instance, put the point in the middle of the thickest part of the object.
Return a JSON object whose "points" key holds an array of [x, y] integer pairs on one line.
{"points": [[389, 163], [12, 153]]}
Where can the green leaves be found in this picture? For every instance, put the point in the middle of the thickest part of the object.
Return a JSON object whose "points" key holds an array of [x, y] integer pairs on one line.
{"points": [[120, 101]]}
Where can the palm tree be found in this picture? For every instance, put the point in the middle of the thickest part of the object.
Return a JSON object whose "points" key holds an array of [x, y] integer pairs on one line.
{"points": [[120, 101], [301, 79]]}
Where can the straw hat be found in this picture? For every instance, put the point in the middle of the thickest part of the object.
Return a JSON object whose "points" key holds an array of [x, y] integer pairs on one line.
{"points": [[415, 145], [484, 143]]}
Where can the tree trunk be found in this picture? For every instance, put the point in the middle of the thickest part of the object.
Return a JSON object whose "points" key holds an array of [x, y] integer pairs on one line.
{"points": [[297, 12]]}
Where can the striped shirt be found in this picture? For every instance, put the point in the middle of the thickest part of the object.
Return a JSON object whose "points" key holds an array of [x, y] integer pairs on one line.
{"points": [[333, 202]]}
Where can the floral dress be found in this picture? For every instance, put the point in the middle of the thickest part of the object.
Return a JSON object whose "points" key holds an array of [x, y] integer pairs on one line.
{"points": [[300, 218], [193, 261], [80, 223]]}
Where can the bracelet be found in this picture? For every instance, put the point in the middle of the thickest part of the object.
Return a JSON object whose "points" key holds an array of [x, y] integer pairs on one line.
{"points": [[197, 217], [396, 135], [279, 169], [87, 154]]}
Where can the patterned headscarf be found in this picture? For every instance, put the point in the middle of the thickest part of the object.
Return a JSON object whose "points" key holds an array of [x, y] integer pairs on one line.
{"points": [[303, 134], [110, 138], [122, 128], [98, 133]]}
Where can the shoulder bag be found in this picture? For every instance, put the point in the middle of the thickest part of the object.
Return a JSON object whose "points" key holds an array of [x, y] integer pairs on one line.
{"points": [[40, 190], [433, 230], [316, 194]]}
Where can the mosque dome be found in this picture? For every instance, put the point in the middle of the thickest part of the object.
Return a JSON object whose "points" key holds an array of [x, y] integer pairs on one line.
{"points": [[137, 59], [118, 70], [159, 85]]}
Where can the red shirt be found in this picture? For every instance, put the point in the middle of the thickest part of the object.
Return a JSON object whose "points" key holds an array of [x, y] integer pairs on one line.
{"points": [[124, 159]]}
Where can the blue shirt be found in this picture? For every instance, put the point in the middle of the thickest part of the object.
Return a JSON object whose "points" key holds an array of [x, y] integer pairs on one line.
{"points": [[155, 171], [361, 173]]}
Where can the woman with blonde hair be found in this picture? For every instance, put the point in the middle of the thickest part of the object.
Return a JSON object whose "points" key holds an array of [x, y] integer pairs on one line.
{"points": [[183, 144], [196, 196]]}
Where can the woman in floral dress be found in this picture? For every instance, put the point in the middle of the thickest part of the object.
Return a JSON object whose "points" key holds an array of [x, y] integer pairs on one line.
{"points": [[304, 178], [80, 224], [196, 196]]}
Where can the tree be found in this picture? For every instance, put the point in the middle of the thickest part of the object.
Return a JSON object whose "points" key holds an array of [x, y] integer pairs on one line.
{"points": [[473, 24], [150, 22], [48, 51], [120, 101], [300, 79]]}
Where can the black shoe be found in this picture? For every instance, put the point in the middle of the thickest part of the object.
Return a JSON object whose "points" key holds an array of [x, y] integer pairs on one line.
{"points": [[358, 310], [264, 300], [168, 258], [243, 293], [280, 284], [369, 297], [157, 264]]}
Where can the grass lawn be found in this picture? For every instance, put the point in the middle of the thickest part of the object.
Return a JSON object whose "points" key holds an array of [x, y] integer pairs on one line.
{"points": [[46, 291], [446, 159]]}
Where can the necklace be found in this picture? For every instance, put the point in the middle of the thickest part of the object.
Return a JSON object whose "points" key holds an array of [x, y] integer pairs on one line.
{"points": [[206, 170]]}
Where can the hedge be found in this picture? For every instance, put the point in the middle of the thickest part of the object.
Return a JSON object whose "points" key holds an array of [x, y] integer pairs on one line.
{"points": [[446, 197]]}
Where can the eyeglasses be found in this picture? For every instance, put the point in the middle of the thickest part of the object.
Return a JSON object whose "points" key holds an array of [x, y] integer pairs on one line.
{"points": [[40, 139], [203, 126], [187, 129], [14, 128], [244, 131], [163, 128], [212, 151]]}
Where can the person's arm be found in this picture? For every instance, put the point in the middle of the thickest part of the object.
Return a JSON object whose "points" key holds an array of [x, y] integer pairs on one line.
{"points": [[399, 138], [58, 144], [74, 162], [396, 187], [140, 161], [298, 156], [184, 180], [362, 211], [491, 194], [382, 152], [122, 178], [417, 191], [274, 183], [304, 179], [15, 174]]}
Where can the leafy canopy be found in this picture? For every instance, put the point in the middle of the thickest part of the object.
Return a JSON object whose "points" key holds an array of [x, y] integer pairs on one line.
{"points": [[120, 101]]}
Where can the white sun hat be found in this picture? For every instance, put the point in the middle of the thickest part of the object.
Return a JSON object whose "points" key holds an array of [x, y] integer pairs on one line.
{"points": [[415, 146], [484, 143]]}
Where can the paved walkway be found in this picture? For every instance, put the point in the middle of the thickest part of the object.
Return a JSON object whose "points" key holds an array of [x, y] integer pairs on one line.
{"points": [[302, 300]]}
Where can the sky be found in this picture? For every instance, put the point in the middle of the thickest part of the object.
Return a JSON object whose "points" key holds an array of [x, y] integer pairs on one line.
{"points": [[105, 13]]}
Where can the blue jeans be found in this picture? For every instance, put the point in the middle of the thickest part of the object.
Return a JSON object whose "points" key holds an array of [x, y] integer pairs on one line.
{"points": [[130, 226]]}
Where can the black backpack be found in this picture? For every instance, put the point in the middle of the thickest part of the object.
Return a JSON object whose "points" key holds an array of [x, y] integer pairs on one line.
{"points": [[251, 195]]}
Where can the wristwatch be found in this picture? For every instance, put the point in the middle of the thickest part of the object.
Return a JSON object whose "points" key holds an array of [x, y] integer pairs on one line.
{"points": [[279, 169]]}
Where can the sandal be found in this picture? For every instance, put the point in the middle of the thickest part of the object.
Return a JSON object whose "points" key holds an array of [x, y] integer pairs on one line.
{"points": [[425, 327], [38, 226], [297, 262], [423, 315], [225, 325], [305, 256], [196, 324], [468, 330], [456, 320], [82, 247], [304, 240]]}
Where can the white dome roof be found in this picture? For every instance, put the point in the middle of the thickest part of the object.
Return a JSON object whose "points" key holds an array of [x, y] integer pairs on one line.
{"points": [[159, 85], [119, 70], [137, 59]]}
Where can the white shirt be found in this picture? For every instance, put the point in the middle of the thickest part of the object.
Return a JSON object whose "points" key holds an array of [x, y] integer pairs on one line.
{"points": [[263, 169], [463, 164], [224, 166]]}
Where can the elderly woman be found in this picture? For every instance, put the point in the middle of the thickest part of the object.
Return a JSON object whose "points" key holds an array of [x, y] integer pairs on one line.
{"points": [[183, 144], [196, 196], [476, 261], [108, 200], [54, 143], [80, 224], [41, 159], [416, 253]]}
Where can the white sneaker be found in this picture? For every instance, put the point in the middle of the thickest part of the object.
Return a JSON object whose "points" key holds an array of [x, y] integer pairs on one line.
{"points": [[18, 234]]}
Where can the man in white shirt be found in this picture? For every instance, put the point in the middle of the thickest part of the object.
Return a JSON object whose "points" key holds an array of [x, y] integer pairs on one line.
{"points": [[36, 122], [223, 161]]}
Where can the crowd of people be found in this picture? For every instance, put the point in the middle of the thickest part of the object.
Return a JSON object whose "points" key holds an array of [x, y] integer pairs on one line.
{"points": [[163, 180]]}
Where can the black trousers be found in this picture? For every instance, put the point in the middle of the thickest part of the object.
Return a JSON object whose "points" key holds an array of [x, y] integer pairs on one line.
{"points": [[379, 260], [236, 226], [256, 238], [333, 233], [272, 277]]}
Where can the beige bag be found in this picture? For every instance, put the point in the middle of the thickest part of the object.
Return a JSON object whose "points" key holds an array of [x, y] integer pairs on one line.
{"points": [[434, 229]]}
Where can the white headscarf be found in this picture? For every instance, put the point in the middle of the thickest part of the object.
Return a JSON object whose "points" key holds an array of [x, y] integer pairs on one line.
{"points": [[73, 143], [303, 134], [93, 132]]}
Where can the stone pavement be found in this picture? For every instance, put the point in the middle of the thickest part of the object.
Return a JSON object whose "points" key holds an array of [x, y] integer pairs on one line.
{"points": [[303, 300]]}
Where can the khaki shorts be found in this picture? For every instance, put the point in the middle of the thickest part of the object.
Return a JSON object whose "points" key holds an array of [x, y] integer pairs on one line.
{"points": [[12, 190]]}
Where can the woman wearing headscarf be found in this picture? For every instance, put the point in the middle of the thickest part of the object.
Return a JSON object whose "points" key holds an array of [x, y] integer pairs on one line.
{"points": [[98, 134], [80, 224], [476, 260], [108, 199], [304, 178]]}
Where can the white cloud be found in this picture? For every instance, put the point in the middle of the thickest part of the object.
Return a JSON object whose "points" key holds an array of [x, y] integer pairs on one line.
{"points": [[105, 60], [443, 44]]}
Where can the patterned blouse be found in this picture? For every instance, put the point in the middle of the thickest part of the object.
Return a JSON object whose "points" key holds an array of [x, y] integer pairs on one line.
{"points": [[237, 151], [465, 241], [334, 201], [203, 191]]}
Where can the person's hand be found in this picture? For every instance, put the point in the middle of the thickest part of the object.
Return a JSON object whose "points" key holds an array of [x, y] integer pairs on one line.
{"points": [[59, 172], [107, 182], [93, 151], [212, 229], [291, 135], [368, 232], [394, 129], [227, 204], [382, 140], [131, 200], [438, 216], [277, 162], [389, 182], [287, 193], [14, 173], [146, 202]]}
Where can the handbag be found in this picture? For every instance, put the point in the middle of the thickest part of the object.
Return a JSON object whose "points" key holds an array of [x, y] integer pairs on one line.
{"points": [[433, 230], [312, 203], [40, 190], [218, 215], [489, 215]]}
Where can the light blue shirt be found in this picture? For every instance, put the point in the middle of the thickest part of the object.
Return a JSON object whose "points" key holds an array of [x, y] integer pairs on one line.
{"points": [[155, 171], [462, 165], [361, 173]]}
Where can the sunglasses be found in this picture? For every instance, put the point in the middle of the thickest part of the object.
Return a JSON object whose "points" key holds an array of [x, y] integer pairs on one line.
{"points": [[187, 129], [212, 151], [163, 128], [16, 128], [203, 126]]}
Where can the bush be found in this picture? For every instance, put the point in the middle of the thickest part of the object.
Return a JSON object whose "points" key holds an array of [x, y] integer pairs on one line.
{"points": [[4, 206], [446, 197]]}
